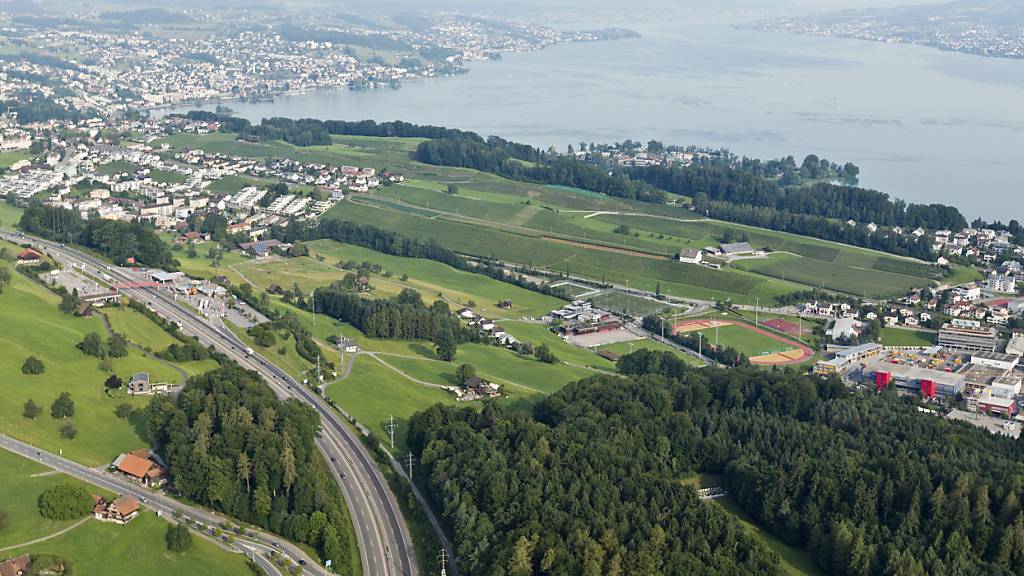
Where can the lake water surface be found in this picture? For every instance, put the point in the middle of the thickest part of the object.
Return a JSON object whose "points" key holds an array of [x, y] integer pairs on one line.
{"points": [[923, 125]]}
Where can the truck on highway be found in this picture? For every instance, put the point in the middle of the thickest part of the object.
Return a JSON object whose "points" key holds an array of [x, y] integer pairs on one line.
{"points": [[248, 351]]}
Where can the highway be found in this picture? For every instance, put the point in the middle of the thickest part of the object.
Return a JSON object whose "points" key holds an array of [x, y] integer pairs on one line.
{"points": [[255, 544], [385, 546]]}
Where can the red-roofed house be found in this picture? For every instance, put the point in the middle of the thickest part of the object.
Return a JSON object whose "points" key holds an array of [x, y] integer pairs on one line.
{"points": [[28, 257], [120, 511], [141, 466], [17, 566]]}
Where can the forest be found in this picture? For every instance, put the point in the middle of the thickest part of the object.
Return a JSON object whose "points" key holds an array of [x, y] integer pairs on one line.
{"points": [[510, 161], [404, 317], [230, 444], [589, 481], [736, 186], [119, 241]]}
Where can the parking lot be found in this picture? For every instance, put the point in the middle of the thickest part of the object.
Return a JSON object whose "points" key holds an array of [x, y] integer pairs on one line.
{"points": [[990, 423]]}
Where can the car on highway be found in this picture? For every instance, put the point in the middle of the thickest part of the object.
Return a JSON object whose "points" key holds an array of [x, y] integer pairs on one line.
{"points": [[343, 475], [302, 562]]}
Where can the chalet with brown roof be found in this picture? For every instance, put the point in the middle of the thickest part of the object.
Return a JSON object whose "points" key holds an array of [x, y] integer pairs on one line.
{"points": [[28, 257], [17, 566], [119, 511], [141, 466], [476, 387]]}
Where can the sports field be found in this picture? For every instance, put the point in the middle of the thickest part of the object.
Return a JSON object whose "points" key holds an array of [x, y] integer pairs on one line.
{"points": [[901, 337], [759, 345], [623, 348]]}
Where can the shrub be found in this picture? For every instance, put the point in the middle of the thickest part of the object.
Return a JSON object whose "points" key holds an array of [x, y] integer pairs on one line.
{"points": [[114, 382], [65, 502], [124, 410], [63, 406], [32, 410], [178, 538], [32, 365], [68, 431]]}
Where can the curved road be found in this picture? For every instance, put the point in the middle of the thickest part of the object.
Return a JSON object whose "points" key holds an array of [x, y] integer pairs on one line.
{"points": [[385, 546]]}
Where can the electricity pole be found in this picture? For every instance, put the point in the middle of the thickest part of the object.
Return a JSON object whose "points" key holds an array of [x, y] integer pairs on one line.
{"points": [[312, 299], [757, 307], [443, 558], [391, 430], [409, 460]]}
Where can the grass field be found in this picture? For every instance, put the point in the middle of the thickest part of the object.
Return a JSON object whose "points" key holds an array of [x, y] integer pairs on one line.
{"points": [[34, 326], [202, 267], [373, 393], [147, 334], [23, 481], [433, 278], [96, 547], [900, 337], [623, 348], [9, 215], [7, 159]]}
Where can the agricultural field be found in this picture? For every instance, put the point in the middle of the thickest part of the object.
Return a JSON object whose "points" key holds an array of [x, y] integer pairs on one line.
{"points": [[623, 348], [432, 278], [559, 228], [832, 276], [599, 263], [900, 337], [34, 326]]}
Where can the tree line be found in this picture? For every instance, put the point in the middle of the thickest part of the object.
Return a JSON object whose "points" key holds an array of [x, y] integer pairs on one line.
{"points": [[527, 164], [230, 444], [726, 184], [119, 241]]}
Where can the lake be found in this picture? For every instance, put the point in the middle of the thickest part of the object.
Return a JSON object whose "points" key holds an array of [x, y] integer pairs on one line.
{"points": [[923, 125]]}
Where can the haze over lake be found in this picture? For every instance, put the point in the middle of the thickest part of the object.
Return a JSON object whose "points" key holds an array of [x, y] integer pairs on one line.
{"points": [[923, 125]]}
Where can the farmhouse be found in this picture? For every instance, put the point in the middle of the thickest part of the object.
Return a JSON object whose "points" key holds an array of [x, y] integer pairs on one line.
{"points": [[476, 387], [17, 566], [121, 510], [140, 385], [737, 249], [261, 248], [141, 466], [690, 256], [28, 257]]}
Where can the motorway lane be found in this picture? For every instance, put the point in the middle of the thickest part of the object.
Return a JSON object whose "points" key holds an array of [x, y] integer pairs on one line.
{"points": [[383, 538], [258, 543]]}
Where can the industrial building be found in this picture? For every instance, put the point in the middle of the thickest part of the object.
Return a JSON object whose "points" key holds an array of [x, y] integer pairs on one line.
{"points": [[1005, 362], [968, 335], [928, 382], [845, 358]]}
